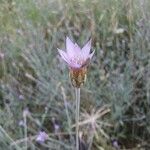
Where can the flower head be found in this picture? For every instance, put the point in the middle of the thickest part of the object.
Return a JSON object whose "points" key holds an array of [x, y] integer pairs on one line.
{"points": [[41, 137], [75, 56], [26, 112], [21, 123], [77, 59], [21, 97]]}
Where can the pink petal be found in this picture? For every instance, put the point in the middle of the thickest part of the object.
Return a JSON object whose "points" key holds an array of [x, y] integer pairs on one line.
{"points": [[73, 50], [86, 49], [91, 55], [67, 60], [70, 47], [63, 55], [77, 48], [73, 65]]}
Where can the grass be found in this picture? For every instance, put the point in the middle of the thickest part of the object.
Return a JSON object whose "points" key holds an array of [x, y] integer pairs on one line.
{"points": [[115, 100]]}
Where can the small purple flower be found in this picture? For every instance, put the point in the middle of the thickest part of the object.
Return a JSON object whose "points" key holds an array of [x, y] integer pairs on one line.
{"points": [[42, 137], [76, 57], [26, 112], [56, 128], [21, 123], [115, 144], [21, 97]]}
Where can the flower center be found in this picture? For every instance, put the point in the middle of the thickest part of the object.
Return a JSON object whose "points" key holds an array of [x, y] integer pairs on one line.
{"points": [[77, 60]]}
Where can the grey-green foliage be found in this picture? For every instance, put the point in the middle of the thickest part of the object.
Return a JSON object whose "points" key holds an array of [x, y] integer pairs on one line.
{"points": [[30, 33]]}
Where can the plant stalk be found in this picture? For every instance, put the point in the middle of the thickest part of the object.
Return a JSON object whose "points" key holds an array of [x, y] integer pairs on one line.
{"points": [[25, 131], [77, 91]]}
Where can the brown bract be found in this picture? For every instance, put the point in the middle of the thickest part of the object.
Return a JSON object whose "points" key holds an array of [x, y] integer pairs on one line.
{"points": [[78, 76]]}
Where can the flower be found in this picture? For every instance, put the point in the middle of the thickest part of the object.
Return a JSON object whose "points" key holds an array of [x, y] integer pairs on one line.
{"points": [[41, 137], [21, 123], [26, 112], [115, 144], [21, 97], [77, 59]]}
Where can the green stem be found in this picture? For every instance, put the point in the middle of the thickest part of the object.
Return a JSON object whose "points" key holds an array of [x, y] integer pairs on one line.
{"points": [[77, 91], [91, 137], [25, 131]]}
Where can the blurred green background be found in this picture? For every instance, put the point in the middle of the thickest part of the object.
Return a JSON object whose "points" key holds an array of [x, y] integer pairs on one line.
{"points": [[33, 76]]}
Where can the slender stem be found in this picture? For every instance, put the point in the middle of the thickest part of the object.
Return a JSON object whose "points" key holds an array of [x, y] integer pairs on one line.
{"points": [[67, 112], [91, 141], [92, 132], [77, 91], [25, 131]]}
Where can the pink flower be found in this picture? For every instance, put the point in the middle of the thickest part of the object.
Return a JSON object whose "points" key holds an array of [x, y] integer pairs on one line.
{"points": [[75, 56], [41, 137]]}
